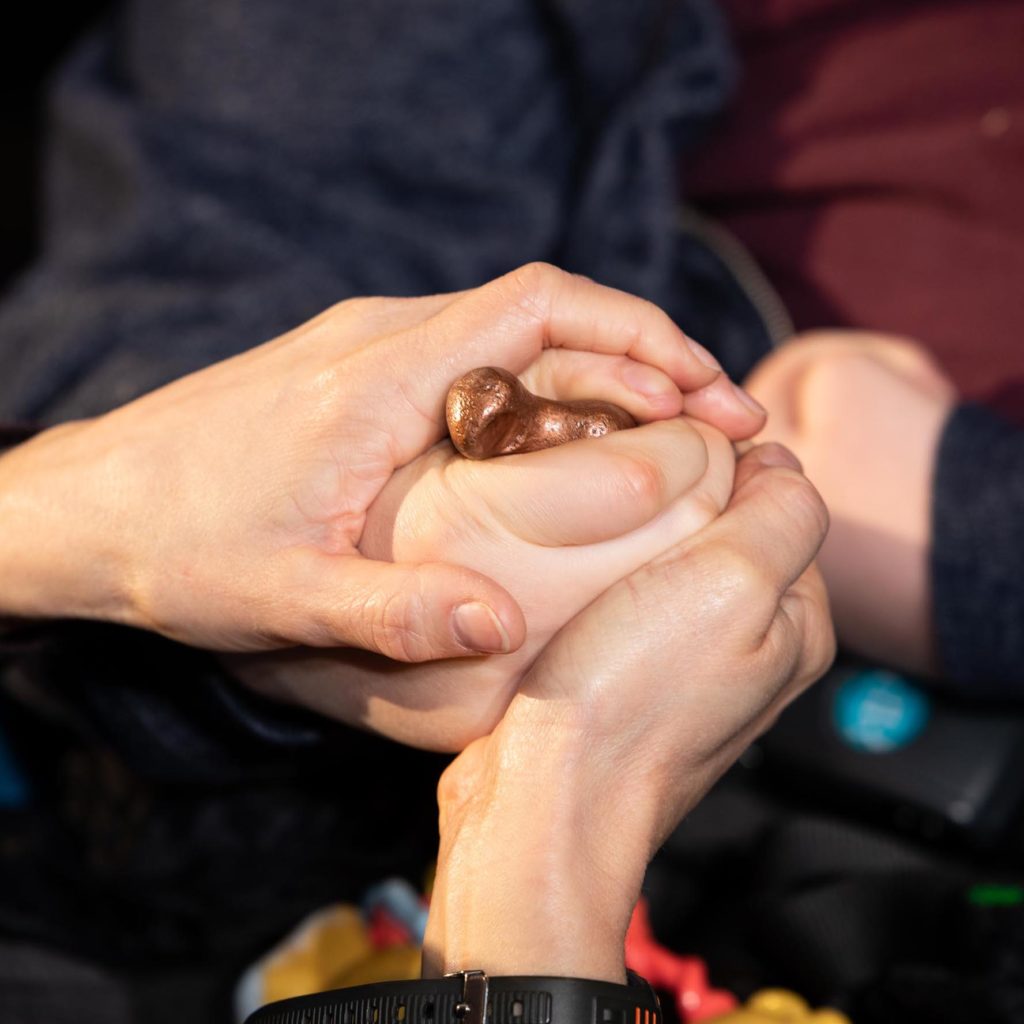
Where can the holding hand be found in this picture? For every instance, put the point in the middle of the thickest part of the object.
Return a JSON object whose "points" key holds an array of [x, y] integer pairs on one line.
{"points": [[623, 723], [226, 509]]}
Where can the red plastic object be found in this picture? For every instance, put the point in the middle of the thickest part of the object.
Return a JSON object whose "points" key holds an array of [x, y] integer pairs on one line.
{"points": [[386, 930], [685, 977]]}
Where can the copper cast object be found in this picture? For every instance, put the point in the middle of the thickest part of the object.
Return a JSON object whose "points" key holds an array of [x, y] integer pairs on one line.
{"points": [[490, 413]]}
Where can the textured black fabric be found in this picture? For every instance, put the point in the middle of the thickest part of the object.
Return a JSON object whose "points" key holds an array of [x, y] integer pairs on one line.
{"points": [[218, 174], [978, 553], [169, 710], [164, 838]]}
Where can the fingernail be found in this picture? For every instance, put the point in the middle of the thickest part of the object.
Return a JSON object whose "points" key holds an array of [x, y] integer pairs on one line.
{"points": [[703, 354], [749, 401], [477, 628], [774, 454], [646, 380]]}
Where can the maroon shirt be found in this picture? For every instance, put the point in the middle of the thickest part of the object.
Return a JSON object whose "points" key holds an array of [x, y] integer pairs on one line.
{"points": [[874, 163]]}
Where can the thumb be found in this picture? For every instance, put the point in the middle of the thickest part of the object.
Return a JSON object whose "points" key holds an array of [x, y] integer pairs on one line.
{"points": [[508, 323], [590, 490], [407, 612]]}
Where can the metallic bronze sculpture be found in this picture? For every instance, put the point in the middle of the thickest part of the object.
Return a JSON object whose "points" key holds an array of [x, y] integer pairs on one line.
{"points": [[491, 413]]}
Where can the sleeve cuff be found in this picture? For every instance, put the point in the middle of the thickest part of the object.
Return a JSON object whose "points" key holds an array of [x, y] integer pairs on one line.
{"points": [[977, 560]]}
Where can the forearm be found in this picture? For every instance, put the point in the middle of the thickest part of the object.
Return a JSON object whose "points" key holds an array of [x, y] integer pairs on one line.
{"points": [[537, 872], [62, 552]]}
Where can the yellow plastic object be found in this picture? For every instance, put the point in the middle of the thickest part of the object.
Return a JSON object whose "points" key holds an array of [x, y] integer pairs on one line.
{"points": [[399, 963], [326, 945], [780, 1006]]}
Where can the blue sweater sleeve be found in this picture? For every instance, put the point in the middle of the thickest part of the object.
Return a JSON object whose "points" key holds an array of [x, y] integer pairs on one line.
{"points": [[977, 557]]}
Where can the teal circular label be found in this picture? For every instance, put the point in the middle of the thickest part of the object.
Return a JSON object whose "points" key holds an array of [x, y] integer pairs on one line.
{"points": [[877, 711]]}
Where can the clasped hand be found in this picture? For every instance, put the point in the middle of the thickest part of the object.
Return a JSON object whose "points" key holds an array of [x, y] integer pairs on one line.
{"points": [[639, 607], [225, 510]]}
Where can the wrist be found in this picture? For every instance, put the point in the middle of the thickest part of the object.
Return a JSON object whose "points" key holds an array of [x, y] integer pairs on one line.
{"points": [[538, 873], [61, 549]]}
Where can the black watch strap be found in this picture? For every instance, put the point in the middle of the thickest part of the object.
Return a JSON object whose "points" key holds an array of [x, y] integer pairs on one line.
{"points": [[473, 998]]}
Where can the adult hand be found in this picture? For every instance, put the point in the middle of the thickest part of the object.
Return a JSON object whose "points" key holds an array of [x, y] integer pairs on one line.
{"points": [[555, 528], [623, 723], [865, 413], [226, 509]]}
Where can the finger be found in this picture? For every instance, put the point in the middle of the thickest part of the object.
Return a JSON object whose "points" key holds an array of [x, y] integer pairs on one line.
{"points": [[728, 407], [772, 527], [570, 311], [584, 314], [403, 611], [903, 356], [645, 392], [805, 612], [508, 323], [589, 491], [801, 643], [915, 364]]}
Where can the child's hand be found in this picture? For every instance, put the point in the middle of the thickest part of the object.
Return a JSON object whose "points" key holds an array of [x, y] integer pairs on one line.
{"points": [[864, 413], [555, 528]]}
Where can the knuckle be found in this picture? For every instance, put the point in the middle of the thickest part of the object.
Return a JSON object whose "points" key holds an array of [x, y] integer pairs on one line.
{"points": [[820, 645], [396, 628], [455, 788], [718, 446], [651, 311], [537, 272], [800, 502], [641, 318], [741, 585], [718, 468], [643, 482], [532, 281], [828, 376], [705, 504], [357, 308], [822, 656]]}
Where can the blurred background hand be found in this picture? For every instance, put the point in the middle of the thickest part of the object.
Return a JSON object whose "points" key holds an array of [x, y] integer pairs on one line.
{"points": [[864, 413]]}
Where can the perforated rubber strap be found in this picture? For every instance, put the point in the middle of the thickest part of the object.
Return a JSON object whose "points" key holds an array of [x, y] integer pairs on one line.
{"points": [[473, 998]]}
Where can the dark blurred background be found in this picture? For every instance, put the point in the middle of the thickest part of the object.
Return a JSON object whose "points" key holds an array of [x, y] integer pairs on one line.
{"points": [[35, 39]]}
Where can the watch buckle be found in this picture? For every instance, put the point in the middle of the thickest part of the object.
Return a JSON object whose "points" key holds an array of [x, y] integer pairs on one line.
{"points": [[472, 1008]]}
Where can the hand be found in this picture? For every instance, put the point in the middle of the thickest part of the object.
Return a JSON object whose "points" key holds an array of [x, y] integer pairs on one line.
{"points": [[622, 724], [226, 509], [864, 413], [555, 528]]}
